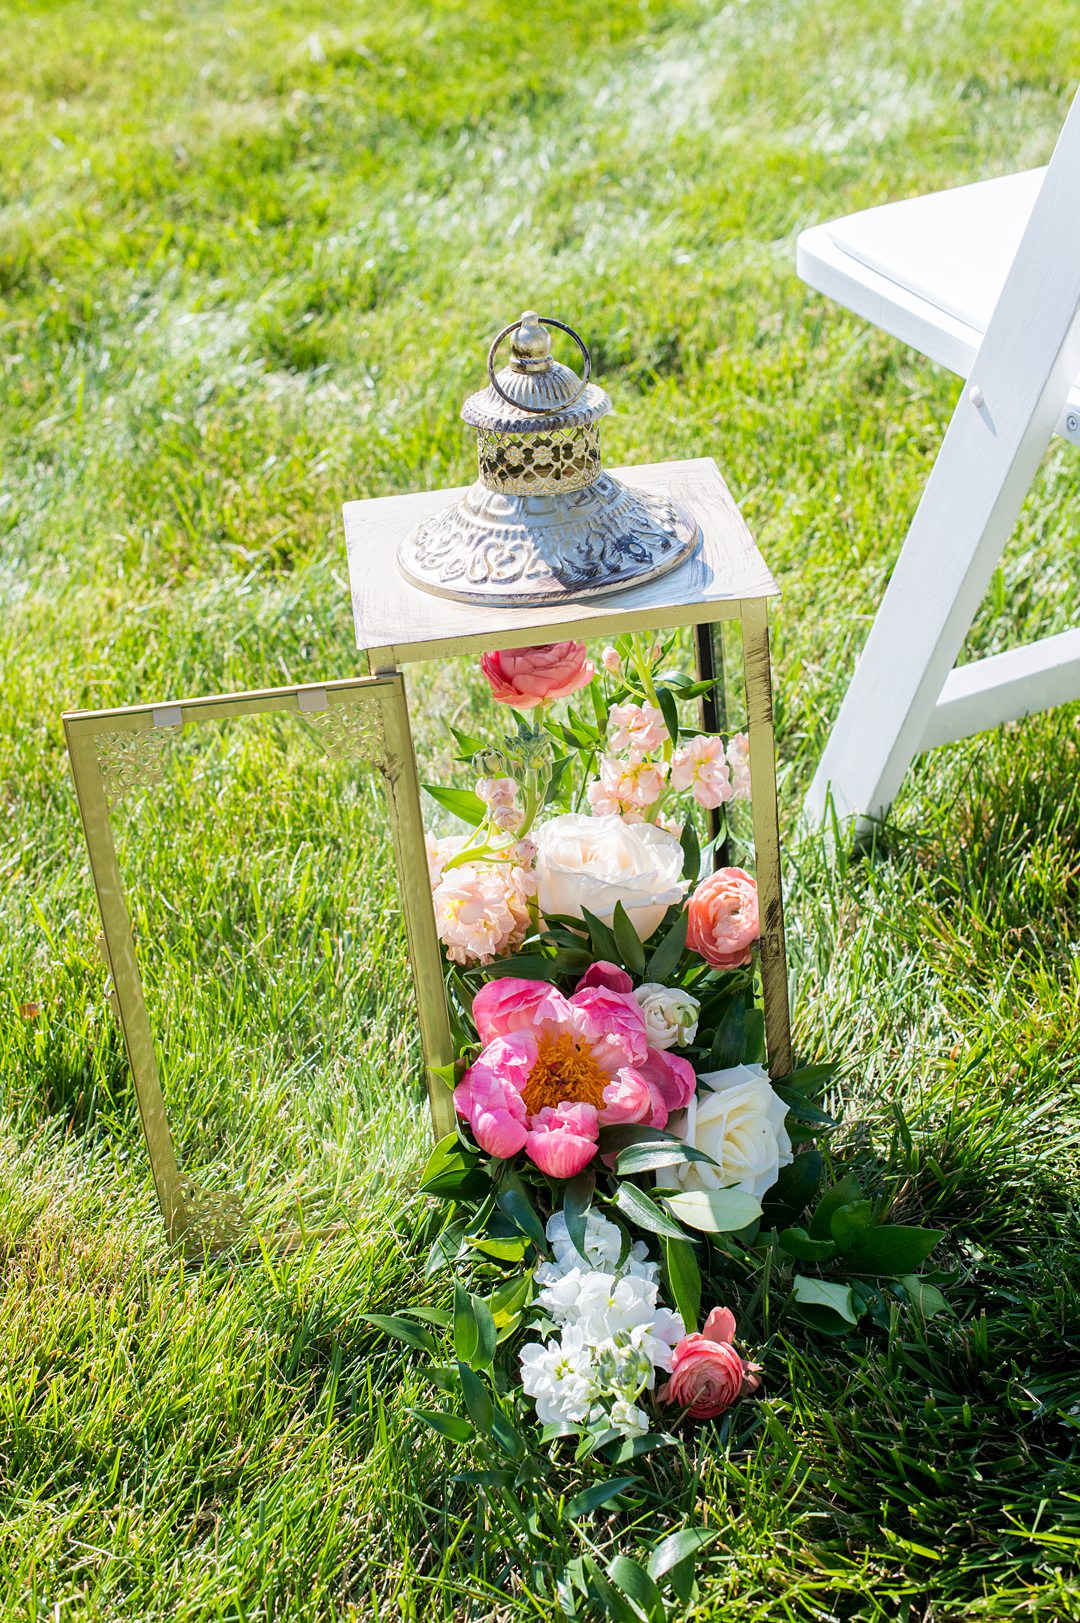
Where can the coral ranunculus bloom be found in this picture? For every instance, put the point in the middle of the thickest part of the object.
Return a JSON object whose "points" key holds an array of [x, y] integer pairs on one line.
{"points": [[724, 919], [525, 677], [554, 1070], [707, 1374]]}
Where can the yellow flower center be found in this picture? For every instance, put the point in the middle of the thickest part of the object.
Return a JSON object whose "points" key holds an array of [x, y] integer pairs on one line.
{"points": [[565, 1070]]}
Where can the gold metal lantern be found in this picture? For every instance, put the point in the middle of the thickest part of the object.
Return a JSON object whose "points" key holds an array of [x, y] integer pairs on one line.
{"points": [[546, 546], [544, 523]]}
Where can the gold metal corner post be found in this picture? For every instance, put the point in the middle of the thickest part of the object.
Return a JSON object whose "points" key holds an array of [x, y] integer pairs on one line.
{"points": [[759, 710]]}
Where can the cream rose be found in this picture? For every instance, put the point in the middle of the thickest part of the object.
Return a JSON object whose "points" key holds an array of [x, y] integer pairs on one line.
{"points": [[594, 863], [671, 1015], [739, 1121]]}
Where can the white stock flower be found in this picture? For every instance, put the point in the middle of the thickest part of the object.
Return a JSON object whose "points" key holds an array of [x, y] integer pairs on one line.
{"points": [[603, 1247], [671, 1015], [738, 1119], [596, 862], [560, 1376], [627, 1418]]}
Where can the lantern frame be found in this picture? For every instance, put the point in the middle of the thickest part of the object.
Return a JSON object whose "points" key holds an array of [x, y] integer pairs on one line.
{"points": [[116, 752], [726, 578]]}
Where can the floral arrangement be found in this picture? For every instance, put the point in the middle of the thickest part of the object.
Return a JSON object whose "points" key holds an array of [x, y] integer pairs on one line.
{"points": [[623, 1167]]}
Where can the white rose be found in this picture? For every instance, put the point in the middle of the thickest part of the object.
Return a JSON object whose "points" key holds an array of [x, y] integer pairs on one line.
{"points": [[739, 1121], [596, 862], [671, 1015]]}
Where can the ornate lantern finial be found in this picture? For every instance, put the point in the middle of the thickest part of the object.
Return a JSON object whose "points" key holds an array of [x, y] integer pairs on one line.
{"points": [[544, 523]]}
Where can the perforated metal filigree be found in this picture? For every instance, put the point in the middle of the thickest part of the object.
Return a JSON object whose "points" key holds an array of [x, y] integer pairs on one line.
{"points": [[353, 732], [555, 459], [133, 759], [210, 1219]]}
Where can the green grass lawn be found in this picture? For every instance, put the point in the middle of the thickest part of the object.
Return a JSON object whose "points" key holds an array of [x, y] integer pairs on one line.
{"points": [[249, 262]]}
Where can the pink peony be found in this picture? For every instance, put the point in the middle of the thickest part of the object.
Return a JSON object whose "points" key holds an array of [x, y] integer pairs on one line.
{"points": [[707, 1374], [575, 1064], [700, 766], [525, 677], [724, 918], [562, 1139], [637, 727], [604, 974]]}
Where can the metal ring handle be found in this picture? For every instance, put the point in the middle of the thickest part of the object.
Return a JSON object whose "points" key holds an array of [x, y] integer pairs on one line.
{"points": [[541, 411]]}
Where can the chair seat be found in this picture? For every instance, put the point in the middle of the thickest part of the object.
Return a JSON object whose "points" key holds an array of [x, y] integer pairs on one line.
{"points": [[930, 269]]}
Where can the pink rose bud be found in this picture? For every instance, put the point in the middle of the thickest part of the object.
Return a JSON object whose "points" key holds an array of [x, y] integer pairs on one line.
{"points": [[524, 677], [611, 660], [724, 920], [707, 1374]]}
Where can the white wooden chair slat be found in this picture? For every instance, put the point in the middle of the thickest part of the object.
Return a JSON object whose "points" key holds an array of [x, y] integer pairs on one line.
{"points": [[1023, 387]]}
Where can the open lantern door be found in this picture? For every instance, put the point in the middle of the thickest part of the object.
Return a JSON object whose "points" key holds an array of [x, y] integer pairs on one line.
{"points": [[225, 966]]}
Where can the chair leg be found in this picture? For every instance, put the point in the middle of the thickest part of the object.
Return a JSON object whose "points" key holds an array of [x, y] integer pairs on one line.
{"points": [[1002, 424]]}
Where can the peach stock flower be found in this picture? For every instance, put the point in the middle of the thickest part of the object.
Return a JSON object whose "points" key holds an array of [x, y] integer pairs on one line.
{"points": [[481, 911], [637, 727], [525, 677], [738, 759], [553, 1070], [701, 767], [724, 920], [707, 1374]]}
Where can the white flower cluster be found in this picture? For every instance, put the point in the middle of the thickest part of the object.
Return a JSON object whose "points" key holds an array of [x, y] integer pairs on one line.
{"points": [[613, 1336]]}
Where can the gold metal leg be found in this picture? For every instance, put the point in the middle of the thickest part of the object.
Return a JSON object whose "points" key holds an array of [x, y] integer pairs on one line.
{"points": [[755, 628], [425, 957]]}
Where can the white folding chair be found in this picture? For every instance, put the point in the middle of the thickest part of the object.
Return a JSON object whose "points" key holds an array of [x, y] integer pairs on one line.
{"points": [[986, 280]]}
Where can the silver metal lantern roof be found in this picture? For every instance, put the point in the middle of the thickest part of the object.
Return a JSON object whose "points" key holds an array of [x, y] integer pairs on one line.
{"points": [[544, 523]]}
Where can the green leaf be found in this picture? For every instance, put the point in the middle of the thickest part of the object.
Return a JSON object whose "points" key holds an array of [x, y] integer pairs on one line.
{"points": [[500, 1250], [413, 1335], [638, 1158], [823, 1303], [454, 1426], [892, 1248], [513, 1201], [461, 802], [927, 1298], [466, 1329], [603, 942], [477, 1401], [645, 1213], [729, 1041], [485, 1479], [668, 951], [509, 1440], [688, 839], [840, 1194], [715, 1211], [670, 712], [684, 1280], [601, 1493], [631, 952], [457, 1182], [851, 1221], [795, 1188], [624, 1449], [449, 1151], [672, 1551], [613, 1139], [577, 1198], [431, 1315], [798, 1244], [754, 1040], [635, 1582], [605, 1596], [529, 966], [468, 745], [508, 1298]]}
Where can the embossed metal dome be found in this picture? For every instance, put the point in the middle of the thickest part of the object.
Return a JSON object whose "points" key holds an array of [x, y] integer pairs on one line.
{"points": [[544, 523]]}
